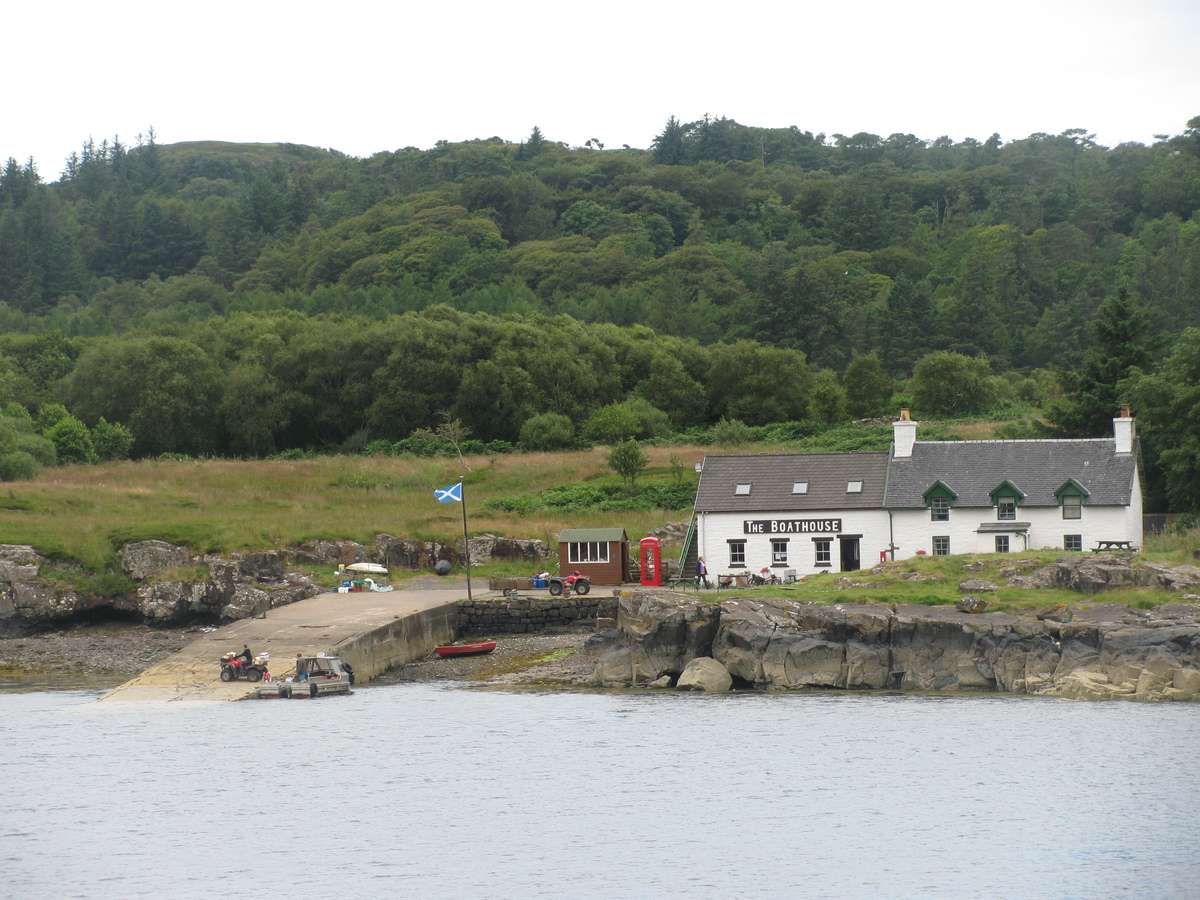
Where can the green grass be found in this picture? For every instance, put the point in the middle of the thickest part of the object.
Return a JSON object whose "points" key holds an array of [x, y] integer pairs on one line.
{"points": [[939, 586], [83, 514]]}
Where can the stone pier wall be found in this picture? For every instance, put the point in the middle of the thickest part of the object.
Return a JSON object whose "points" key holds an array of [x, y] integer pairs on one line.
{"points": [[531, 614], [405, 639]]}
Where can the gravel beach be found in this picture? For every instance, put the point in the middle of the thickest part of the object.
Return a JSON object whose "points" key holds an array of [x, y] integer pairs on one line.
{"points": [[116, 651]]}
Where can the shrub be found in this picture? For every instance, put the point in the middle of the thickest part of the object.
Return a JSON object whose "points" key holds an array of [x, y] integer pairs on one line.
{"points": [[17, 465], [730, 433], [612, 424], [72, 441], [379, 448], [548, 431], [38, 447], [50, 415], [111, 440]]}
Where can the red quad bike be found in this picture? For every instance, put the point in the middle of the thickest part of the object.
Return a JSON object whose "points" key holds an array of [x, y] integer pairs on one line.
{"points": [[234, 667], [559, 583]]}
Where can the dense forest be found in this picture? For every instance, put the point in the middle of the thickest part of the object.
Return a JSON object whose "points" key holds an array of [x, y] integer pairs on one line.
{"points": [[249, 300]]}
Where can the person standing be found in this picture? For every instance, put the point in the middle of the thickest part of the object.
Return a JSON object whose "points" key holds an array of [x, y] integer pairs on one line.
{"points": [[701, 573]]}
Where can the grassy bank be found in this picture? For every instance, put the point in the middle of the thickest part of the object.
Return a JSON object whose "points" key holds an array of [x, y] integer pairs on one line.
{"points": [[84, 513]]}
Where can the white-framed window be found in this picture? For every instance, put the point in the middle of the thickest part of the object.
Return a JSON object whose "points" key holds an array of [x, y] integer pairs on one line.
{"points": [[587, 552], [1072, 506], [1073, 542], [779, 550], [1006, 509], [737, 554], [824, 557], [799, 487], [742, 489], [1002, 543], [939, 509], [853, 487], [941, 545]]}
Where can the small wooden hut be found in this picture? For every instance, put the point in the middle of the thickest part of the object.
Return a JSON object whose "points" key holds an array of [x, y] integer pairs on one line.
{"points": [[601, 553]]}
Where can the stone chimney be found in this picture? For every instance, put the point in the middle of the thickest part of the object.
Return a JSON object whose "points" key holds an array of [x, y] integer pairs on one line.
{"points": [[1123, 432], [904, 430]]}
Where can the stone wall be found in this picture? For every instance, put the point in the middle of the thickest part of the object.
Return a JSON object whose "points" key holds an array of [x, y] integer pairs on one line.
{"points": [[531, 614]]}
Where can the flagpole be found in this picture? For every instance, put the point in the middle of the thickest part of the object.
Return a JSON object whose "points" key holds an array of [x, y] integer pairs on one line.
{"points": [[466, 540]]}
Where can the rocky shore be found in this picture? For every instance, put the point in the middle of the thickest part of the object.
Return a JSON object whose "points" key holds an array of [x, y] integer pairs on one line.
{"points": [[1092, 651]]}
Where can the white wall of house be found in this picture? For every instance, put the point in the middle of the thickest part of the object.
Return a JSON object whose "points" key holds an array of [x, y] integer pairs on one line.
{"points": [[914, 529], [714, 531]]}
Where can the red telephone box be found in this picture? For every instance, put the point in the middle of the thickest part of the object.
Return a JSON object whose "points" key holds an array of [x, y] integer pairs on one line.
{"points": [[651, 560]]}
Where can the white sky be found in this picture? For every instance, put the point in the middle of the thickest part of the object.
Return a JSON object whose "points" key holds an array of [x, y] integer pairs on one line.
{"points": [[373, 75]]}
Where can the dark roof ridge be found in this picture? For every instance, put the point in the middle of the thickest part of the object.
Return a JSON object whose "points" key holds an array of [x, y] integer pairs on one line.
{"points": [[1105, 440]]}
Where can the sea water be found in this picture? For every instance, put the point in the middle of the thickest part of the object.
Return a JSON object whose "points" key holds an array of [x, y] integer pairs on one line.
{"points": [[418, 790]]}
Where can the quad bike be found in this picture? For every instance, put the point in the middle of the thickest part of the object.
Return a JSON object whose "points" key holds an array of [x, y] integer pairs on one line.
{"points": [[560, 583], [234, 667]]}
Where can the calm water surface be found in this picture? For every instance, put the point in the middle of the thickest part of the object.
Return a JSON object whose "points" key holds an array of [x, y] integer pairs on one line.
{"points": [[440, 792]]}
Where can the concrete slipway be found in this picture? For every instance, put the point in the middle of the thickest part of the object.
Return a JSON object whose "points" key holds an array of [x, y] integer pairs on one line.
{"points": [[372, 631]]}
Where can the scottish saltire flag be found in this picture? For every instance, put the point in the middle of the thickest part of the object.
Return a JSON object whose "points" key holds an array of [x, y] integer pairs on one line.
{"points": [[452, 494]]}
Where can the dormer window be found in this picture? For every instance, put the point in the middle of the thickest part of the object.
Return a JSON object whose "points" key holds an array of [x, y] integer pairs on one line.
{"points": [[1070, 497], [1006, 497], [742, 489], [799, 487], [853, 487], [939, 498]]}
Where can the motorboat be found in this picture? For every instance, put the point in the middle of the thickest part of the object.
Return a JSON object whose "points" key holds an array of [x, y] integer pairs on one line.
{"points": [[315, 676]]}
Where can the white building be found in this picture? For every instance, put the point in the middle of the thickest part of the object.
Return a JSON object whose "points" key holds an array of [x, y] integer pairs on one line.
{"points": [[813, 512]]}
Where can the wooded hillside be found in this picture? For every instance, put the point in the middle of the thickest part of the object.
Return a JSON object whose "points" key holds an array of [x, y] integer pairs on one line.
{"points": [[254, 299]]}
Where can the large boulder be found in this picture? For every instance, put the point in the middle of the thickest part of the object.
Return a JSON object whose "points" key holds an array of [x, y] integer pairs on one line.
{"points": [[781, 645], [146, 559], [704, 674], [335, 553], [21, 553], [17, 573], [976, 586], [42, 602], [246, 603], [398, 553], [659, 632], [266, 565], [488, 547], [171, 602]]}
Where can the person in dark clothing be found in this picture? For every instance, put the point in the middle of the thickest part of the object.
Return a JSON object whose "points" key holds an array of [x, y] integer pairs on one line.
{"points": [[701, 573], [301, 668], [246, 655]]}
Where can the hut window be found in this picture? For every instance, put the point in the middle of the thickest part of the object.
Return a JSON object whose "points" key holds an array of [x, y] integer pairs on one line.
{"points": [[587, 552]]}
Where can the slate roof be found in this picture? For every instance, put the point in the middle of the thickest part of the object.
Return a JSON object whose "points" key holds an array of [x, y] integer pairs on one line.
{"points": [[771, 477], [590, 535], [973, 469]]}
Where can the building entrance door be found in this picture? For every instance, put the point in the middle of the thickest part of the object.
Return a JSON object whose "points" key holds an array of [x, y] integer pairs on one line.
{"points": [[849, 547]]}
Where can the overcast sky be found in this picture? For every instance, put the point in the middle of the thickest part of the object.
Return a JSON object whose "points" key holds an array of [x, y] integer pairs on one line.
{"points": [[370, 76]]}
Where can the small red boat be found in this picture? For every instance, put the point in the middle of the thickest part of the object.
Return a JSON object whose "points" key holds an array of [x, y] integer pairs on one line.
{"points": [[466, 649]]}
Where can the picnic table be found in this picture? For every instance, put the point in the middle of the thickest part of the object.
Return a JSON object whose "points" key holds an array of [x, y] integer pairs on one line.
{"points": [[1108, 546]]}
